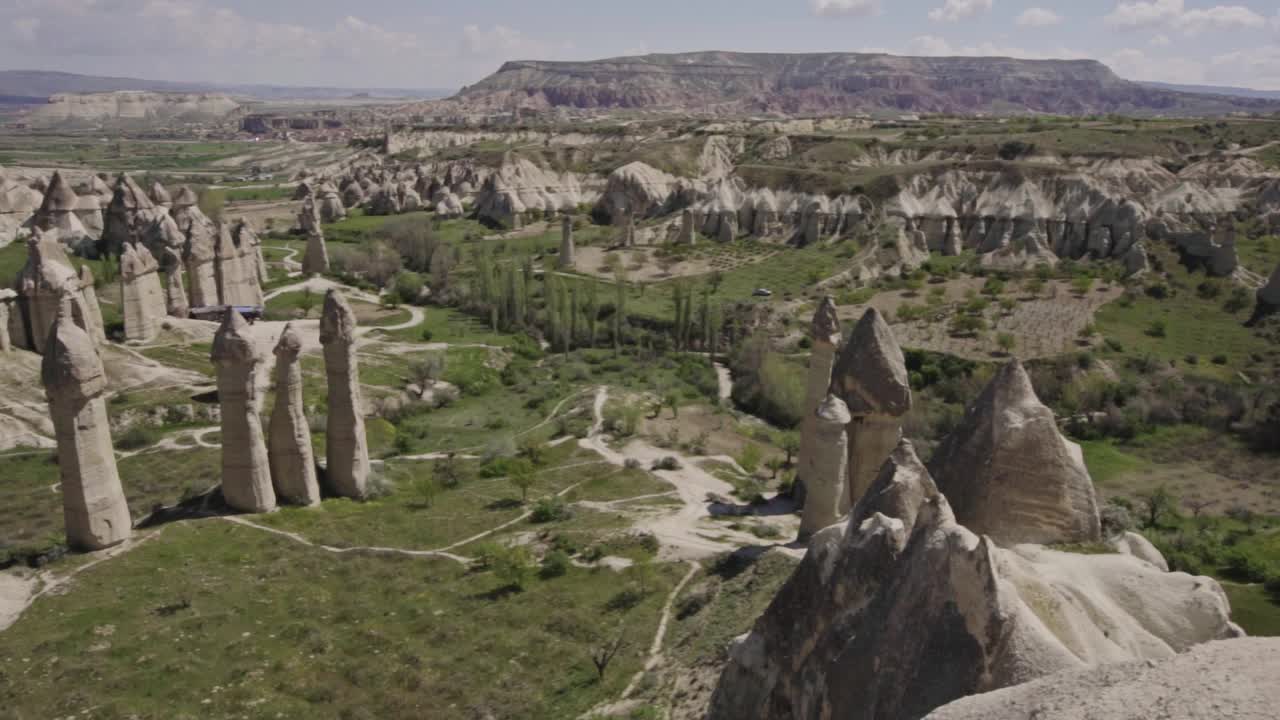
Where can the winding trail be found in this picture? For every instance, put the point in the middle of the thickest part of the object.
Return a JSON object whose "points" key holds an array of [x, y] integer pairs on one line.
{"points": [[655, 649]]}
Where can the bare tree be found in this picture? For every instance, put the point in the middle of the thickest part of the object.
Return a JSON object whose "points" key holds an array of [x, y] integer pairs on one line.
{"points": [[1197, 505], [603, 655]]}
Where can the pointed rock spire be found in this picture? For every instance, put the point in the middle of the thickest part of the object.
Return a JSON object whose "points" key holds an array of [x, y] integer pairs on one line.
{"points": [[826, 322], [94, 506], [347, 448], [246, 474], [1010, 474], [293, 468], [871, 373]]}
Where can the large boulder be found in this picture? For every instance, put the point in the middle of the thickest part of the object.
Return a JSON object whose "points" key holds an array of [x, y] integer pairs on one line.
{"points": [[1009, 474], [1228, 679], [904, 610]]}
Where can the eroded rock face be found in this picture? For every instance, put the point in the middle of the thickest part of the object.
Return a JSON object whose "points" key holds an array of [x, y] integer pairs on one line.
{"points": [[93, 311], [824, 331], [332, 208], [824, 480], [199, 249], [144, 302], [42, 284], [871, 377], [93, 502], [309, 215], [347, 449], [903, 610], [293, 467], [175, 295], [1224, 679], [246, 474], [315, 259], [1008, 472]]}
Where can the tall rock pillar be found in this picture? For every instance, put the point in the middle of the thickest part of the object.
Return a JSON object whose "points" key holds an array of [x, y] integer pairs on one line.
{"points": [[686, 228], [93, 502], [246, 474], [293, 465], [566, 243], [6, 342], [142, 298], [826, 486], [92, 310], [825, 333], [175, 295], [315, 260], [871, 378], [347, 448]]}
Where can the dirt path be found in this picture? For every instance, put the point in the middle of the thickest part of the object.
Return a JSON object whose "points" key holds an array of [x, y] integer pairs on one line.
{"points": [[688, 532]]}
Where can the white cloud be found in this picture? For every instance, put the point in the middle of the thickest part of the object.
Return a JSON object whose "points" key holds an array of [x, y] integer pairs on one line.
{"points": [[1134, 64], [934, 46], [1160, 40], [846, 7], [1038, 17], [1256, 67], [957, 10], [1147, 14], [208, 40]]}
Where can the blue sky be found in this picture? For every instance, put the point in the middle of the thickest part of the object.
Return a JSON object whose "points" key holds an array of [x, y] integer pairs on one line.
{"points": [[424, 43]]}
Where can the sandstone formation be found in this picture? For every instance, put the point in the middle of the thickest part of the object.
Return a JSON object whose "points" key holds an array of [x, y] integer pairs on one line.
{"points": [[824, 332], [309, 215], [93, 502], [18, 203], [6, 317], [347, 450], [686, 228], [131, 108], [253, 266], [315, 259], [129, 211], [520, 186], [246, 474], [1223, 679], [331, 207], [235, 282], [93, 311], [737, 83], [903, 610], [566, 259], [160, 196], [199, 248], [1009, 474], [293, 467], [143, 303], [871, 377], [175, 295], [825, 480], [44, 280], [58, 215]]}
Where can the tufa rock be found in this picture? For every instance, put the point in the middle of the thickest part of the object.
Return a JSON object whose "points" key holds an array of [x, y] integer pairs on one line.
{"points": [[825, 483], [566, 259], [315, 259], [93, 502], [347, 466], [871, 377], [825, 334], [903, 610], [293, 467], [246, 474], [1008, 472]]}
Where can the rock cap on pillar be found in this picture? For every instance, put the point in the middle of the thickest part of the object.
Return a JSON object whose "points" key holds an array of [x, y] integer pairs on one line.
{"points": [[71, 362], [337, 321], [232, 345], [871, 373], [834, 411]]}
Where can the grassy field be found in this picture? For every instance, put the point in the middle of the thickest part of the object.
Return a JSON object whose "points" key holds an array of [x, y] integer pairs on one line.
{"points": [[119, 155], [1196, 333], [216, 620]]}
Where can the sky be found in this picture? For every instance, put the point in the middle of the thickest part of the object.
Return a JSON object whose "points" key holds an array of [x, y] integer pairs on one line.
{"points": [[430, 44]]}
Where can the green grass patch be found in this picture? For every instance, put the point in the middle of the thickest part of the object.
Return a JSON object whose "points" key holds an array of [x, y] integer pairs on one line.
{"points": [[216, 620], [1106, 462], [1253, 609]]}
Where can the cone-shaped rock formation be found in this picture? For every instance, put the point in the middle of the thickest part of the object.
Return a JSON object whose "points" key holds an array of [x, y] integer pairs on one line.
{"points": [[246, 474], [347, 448], [1008, 472]]}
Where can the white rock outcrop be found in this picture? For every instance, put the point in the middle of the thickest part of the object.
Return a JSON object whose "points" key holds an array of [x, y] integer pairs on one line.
{"points": [[347, 448], [246, 471]]}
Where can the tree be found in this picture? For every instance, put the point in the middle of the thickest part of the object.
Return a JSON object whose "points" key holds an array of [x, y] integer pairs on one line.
{"points": [[750, 458], [521, 475], [532, 450], [1007, 342], [447, 471], [1197, 505], [642, 572], [604, 654], [775, 464], [672, 400], [307, 301], [790, 444], [1156, 504], [428, 370], [424, 491], [513, 566]]}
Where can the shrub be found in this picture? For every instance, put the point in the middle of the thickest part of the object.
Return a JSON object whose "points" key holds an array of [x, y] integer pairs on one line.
{"points": [[750, 457], [513, 566], [550, 509], [555, 564], [1158, 328], [138, 436], [667, 463]]}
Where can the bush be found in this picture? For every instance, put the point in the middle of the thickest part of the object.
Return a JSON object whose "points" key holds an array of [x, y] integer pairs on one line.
{"points": [[667, 463], [408, 287], [427, 335], [1158, 328], [555, 564], [513, 566], [550, 509], [138, 436]]}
